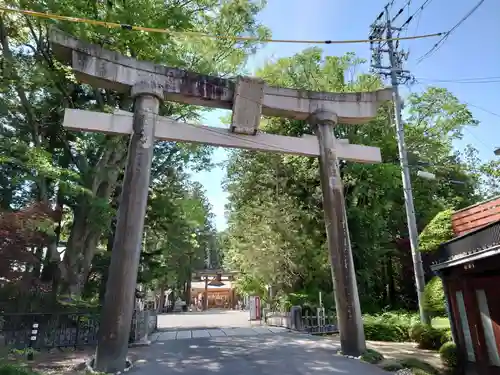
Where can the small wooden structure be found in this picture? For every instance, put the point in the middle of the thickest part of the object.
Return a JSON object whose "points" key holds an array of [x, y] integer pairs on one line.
{"points": [[214, 288], [469, 266], [476, 216]]}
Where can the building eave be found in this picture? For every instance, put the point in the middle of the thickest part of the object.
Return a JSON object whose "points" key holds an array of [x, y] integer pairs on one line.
{"points": [[467, 258]]}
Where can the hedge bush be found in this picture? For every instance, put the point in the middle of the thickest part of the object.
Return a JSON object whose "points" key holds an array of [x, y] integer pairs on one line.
{"points": [[449, 354], [372, 356], [377, 331], [434, 300], [416, 331], [429, 337], [447, 336], [389, 326], [400, 327]]}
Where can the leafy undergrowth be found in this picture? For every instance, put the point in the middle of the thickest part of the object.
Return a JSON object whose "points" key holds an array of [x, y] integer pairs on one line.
{"points": [[395, 326], [389, 326], [372, 356], [416, 366], [15, 369]]}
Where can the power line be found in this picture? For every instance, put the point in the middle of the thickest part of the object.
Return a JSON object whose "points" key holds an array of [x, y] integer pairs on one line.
{"points": [[463, 80], [196, 33], [483, 109], [467, 103], [401, 10], [476, 138], [447, 34], [467, 129], [417, 12]]}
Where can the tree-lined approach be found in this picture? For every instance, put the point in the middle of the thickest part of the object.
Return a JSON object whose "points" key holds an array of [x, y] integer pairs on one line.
{"points": [[295, 236], [148, 84]]}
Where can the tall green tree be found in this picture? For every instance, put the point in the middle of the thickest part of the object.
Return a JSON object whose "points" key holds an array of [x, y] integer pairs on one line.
{"points": [[276, 230], [78, 172]]}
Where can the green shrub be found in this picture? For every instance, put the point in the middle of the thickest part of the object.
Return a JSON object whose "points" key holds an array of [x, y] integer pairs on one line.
{"points": [[449, 354], [13, 369], [392, 366], [372, 356], [438, 230], [434, 300], [377, 331], [447, 336], [418, 371], [418, 367], [431, 338], [389, 326], [416, 331]]}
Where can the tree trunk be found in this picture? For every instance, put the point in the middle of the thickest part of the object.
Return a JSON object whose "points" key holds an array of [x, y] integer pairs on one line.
{"points": [[161, 301], [109, 249], [85, 234], [385, 289], [38, 266], [187, 292], [391, 283]]}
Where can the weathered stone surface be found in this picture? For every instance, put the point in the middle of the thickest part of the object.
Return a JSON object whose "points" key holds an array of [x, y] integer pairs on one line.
{"points": [[107, 69], [167, 129], [247, 105]]}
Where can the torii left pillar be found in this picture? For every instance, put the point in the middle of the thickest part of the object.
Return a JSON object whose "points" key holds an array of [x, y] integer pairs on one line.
{"points": [[118, 308]]}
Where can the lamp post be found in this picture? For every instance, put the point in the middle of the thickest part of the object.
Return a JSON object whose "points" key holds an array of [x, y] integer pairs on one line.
{"points": [[497, 151]]}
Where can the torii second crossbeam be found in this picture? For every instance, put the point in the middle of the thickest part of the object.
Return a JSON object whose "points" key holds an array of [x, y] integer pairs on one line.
{"points": [[166, 129]]}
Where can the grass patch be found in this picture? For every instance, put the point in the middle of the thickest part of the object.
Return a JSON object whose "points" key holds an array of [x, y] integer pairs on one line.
{"points": [[441, 323], [416, 366], [372, 356], [15, 369], [392, 366], [419, 367]]}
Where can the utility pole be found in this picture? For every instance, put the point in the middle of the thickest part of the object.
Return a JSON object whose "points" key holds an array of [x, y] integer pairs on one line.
{"points": [[383, 25]]}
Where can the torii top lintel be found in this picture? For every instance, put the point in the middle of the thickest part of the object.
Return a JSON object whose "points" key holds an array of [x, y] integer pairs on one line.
{"points": [[102, 68]]}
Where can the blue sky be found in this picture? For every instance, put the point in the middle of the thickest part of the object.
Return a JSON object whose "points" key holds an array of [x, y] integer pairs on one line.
{"points": [[471, 51]]}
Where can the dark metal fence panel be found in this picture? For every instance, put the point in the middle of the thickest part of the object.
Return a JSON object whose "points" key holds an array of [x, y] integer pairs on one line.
{"points": [[318, 324], [54, 330], [63, 330], [153, 321], [278, 319]]}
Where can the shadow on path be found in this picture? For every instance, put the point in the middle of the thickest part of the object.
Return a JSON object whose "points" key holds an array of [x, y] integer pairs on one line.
{"points": [[207, 312], [288, 354]]}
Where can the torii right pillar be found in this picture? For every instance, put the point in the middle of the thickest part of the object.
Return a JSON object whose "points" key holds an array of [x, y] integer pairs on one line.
{"points": [[349, 320]]}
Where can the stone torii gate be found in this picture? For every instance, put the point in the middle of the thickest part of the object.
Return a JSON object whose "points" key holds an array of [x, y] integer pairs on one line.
{"points": [[249, 98]]}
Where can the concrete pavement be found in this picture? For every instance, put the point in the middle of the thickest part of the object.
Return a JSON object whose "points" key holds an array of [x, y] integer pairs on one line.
{"points": [[181, 334], [204, 319], [226, 343], [270, 354]]}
